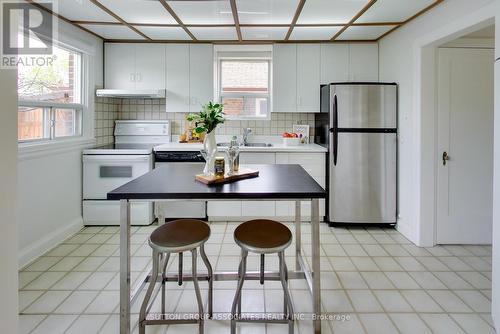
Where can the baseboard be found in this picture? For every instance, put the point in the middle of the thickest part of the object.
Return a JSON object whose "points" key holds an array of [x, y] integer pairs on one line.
{"points": [[43, 245], [242, 219]]}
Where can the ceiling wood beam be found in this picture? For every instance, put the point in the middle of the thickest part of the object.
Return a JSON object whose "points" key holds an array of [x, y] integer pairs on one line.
{"points": [[230, 42], [295, 18], [177, 19], [236, 19], [357, 16], [110, 12], [423, 11], [63, 18], [248, 25]]}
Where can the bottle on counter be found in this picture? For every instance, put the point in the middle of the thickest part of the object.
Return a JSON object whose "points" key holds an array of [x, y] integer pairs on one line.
{"points": [[234, 155], [219, 167]]}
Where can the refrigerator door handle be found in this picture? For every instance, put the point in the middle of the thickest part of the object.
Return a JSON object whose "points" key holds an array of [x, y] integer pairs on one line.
{"points": [[334, 130]]}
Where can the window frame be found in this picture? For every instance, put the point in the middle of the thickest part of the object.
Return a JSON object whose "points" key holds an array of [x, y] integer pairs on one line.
{"points": [[82, 80], [249, 54]]}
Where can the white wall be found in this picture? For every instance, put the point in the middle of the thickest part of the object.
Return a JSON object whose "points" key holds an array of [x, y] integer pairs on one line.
{"points": [[404, 60], [408, 57], [50, 181], [8, 199]]}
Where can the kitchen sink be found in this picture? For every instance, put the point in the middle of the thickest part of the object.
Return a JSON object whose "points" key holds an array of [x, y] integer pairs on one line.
{"points": [[248, 144]]}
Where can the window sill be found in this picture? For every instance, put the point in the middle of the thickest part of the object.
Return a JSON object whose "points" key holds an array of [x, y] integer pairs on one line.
{"points": [[42, 149]]}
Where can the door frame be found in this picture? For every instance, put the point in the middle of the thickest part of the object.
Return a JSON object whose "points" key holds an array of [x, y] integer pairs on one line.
{"points": [[424, 141]]}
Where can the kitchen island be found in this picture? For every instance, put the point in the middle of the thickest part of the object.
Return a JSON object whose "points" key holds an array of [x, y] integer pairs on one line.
{"points": [[275, 182]]}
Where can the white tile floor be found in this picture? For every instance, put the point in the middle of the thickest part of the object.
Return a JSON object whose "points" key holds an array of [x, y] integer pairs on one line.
{"points": [[376, 278]]}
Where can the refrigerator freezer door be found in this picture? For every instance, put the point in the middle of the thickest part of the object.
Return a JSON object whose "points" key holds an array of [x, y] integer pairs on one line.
{"points": [[363, 183], [366, 106]]}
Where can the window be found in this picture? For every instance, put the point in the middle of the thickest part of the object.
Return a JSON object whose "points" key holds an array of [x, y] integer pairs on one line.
{"points": [[244, 84], [50, 98]]}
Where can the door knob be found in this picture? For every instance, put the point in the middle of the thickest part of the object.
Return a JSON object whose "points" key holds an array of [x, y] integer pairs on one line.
{"points": [[446, 157]]}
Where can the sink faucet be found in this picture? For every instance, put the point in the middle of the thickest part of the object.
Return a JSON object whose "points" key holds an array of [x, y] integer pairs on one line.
{"points": [[246, 133]]}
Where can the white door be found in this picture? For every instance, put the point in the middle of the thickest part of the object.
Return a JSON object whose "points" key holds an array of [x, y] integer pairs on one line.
{"points": [[465, 133], [363, 62], [150, 66], [334, 63], [201, 79], [119, 66], [308, 67], [285, 78], [177, 78]]}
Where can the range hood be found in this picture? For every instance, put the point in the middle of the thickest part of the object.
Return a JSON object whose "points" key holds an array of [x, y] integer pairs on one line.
{"points": [[132, 94]]}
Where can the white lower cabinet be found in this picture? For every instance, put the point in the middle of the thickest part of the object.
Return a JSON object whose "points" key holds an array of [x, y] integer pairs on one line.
{"points": [[313, 163]]}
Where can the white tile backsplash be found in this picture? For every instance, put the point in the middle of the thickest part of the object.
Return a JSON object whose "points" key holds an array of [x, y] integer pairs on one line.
{"points": [[110, 109]]}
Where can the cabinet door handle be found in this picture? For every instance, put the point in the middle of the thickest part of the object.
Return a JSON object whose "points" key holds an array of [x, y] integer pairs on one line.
{"points": [[139, 77], [132, 77]]}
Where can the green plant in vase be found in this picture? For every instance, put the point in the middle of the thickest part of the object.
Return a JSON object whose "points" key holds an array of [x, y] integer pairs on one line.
{"points": [[206, 121]]}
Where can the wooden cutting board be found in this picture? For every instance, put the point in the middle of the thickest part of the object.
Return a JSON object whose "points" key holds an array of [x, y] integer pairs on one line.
{"points": [[242, 173]]}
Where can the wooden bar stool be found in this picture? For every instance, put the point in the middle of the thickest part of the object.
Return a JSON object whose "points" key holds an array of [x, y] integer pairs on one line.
{"points": [[263, 236], [177, 236]]}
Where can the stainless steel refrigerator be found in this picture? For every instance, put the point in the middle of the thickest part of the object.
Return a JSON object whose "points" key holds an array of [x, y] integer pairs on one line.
{"points": [[358, 124]]}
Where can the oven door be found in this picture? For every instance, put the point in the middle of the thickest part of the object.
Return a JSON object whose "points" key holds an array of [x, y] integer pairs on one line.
{"points": [[103, 173]]}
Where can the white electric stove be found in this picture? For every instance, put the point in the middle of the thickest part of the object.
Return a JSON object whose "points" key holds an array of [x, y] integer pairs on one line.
{"points": [[108, 167]]}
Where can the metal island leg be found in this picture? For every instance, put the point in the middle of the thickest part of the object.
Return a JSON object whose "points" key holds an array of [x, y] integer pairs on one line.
{"points": [[124, 266], [316, 269]]}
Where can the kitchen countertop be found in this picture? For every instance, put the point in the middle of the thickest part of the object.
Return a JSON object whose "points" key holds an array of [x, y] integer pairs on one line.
{"points": [[277, 147], [273, 182]]}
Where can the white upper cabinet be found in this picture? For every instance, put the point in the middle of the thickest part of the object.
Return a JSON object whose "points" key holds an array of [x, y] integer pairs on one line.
{"points": [[134, 66], [334, 63], [150, 66], [308, 77], [189, 77], [285, 78], [201, 79], [177, 68], [119, 66], [363, 64]]}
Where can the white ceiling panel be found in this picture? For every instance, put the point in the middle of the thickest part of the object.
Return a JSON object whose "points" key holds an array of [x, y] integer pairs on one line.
{"points": [[113, 31], [266, 11], [330, 11], [264, 33], [80, 10], [203, 12], [214, 33], [364, 32], [139, 11], [166, 33], [393, 10], [314, 33]]}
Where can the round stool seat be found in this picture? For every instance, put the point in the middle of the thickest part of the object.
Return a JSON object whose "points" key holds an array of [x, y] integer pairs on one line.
{"points": [[263, 236], [179, 235]]}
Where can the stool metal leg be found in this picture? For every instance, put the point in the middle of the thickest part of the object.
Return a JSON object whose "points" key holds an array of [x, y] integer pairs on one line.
{"points": [[286, 292], [262, 268], [197, 290], [282, 263], [154, 276], [180, 269], [237, 297], [163, 282], [210, 280]]}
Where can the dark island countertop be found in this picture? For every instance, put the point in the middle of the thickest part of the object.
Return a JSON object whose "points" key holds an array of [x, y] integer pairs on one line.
{"points": [[177, 181]]}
